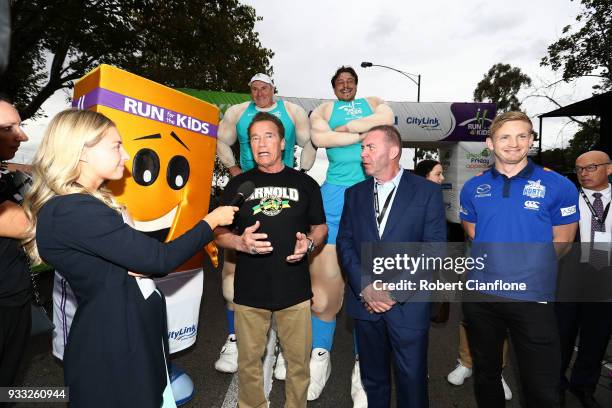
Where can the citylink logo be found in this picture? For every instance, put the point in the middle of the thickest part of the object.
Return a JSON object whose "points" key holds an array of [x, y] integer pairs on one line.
{"points": [[427, 123], [183, 333]]}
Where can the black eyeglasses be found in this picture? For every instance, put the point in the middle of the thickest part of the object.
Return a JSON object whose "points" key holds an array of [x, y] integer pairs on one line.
{"points": [[590, 168]]}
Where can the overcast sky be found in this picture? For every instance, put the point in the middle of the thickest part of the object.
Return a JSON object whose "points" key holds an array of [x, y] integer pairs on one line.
{"points": [[450, 43]]}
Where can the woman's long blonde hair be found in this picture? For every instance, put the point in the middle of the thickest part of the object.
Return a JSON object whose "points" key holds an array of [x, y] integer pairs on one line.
{"points": [[56, 165]]}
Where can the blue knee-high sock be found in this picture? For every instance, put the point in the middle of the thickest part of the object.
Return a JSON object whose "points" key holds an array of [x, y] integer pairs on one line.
{"points": [[322, 333], [229, 314]]}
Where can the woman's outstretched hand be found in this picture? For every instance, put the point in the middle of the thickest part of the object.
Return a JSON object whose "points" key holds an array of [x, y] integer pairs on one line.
{"points": [[221, 216]]}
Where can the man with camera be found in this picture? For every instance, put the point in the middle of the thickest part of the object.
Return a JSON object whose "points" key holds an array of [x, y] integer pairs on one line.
{"points": [[15, 314]]}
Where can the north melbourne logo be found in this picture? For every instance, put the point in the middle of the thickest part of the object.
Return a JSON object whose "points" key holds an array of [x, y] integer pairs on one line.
{"points": [[534, 189]]}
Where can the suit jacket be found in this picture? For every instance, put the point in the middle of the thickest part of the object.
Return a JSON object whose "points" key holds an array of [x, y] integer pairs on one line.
{"points": [[114, 356], [580, 281], [417, 215]]}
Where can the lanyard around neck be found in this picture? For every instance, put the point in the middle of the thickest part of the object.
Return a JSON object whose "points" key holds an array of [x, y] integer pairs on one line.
{"points": [[593, 212], [381, 215]]}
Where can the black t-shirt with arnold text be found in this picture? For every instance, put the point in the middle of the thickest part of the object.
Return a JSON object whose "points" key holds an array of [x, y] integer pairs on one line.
{"points": [[284, 203], [14, 270]]}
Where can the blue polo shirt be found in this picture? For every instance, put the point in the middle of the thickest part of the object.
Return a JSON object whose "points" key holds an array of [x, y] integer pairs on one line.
{"points": [[514, 220]]}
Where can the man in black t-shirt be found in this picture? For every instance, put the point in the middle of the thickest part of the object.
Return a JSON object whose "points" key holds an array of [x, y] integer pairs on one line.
{"points": [[276, 227], [15, 314]]}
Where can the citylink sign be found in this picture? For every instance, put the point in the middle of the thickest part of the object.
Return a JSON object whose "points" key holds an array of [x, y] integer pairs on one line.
{"points": [[425, 122]]}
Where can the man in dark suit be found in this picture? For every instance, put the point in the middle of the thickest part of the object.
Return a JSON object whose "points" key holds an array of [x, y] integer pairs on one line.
{"points": [[391, 206], [588, 266]]}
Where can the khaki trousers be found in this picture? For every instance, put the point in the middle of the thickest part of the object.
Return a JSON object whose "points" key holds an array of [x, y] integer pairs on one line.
{"points": [[295, 335], [464, 348]]}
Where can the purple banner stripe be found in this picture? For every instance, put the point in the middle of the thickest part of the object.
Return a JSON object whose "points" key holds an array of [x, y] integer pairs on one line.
{"points": [[123, 103]]}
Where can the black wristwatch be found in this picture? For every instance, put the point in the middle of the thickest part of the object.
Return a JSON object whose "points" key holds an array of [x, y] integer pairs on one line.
{"points": [[311, 245]]}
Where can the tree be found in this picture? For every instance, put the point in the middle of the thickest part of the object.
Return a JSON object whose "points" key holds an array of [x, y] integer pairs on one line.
{"points": [[556, 159], [206, 44], [585, 50], [588, 50], [500, 85], [587, 138]]}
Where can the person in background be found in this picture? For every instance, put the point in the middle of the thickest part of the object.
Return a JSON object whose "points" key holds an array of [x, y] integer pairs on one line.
{"points": [[117, 350], [431, 170], [592, 319], [15, 286]]}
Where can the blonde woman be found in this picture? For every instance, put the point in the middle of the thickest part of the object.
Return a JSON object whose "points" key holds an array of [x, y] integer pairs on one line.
{"points": [[116, 351]]}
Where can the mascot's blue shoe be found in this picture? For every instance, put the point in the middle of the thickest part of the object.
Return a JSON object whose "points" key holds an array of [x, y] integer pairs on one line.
{"points": [[182, 386]]}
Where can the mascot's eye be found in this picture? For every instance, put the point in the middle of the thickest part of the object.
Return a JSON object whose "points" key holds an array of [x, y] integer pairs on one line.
{"points": [[145, 168], [178, 172]]}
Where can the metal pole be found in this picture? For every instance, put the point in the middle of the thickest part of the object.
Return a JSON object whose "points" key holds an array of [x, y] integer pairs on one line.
{"points": [[540, 144], [418, 100], [366, 64]]}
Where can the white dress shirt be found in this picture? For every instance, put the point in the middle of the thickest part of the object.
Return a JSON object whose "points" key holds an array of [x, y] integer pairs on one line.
{"points": [[602, 239], [585, 214], [384, 190]]}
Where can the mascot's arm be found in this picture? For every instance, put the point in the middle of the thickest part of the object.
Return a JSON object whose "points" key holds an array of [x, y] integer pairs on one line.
{"points": [[382, 115], [226, 135], [323, 135], [302, 135]]}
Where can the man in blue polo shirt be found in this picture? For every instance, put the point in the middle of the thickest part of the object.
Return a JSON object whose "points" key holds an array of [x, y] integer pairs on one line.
{"points": [[513, 203]]}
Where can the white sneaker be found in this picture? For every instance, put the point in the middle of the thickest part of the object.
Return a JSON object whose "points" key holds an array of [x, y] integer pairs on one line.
{"points": [[280, 369], [459, 374], [320, 369], [358, 394], [228, 357], [507, 390]]}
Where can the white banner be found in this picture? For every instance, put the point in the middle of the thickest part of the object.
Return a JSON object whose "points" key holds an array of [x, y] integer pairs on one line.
{"points": [[183, 292], [461, 162], [431, 123]]}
